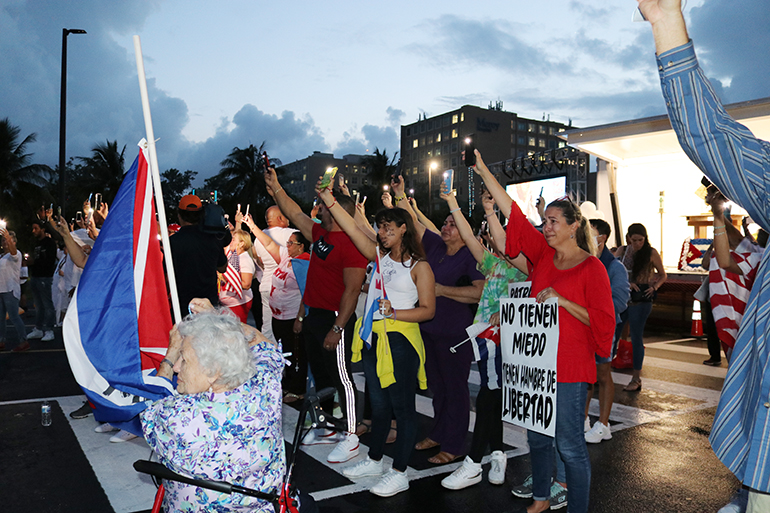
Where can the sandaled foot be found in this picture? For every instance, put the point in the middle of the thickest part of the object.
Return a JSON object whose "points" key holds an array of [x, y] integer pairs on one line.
{"points": [[443, 457], [363, 427], [392, 434], [634, 385], [427, 443]]}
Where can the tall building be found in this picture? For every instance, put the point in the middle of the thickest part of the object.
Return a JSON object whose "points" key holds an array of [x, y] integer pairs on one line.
{"points": [[439, 140], [299, 178]]}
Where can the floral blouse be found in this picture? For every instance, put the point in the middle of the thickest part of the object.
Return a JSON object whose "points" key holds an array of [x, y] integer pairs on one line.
{"points": [[232, 436]]}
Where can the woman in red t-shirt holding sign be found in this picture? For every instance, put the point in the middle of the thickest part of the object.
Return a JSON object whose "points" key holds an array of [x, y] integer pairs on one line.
{"points": [[563, 267]]}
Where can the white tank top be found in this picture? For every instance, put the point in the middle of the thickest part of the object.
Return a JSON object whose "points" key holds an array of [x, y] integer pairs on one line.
{"points": [[397, 278]]}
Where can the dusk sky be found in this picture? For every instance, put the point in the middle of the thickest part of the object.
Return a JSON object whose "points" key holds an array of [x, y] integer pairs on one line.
{"points": [[343, 76]]}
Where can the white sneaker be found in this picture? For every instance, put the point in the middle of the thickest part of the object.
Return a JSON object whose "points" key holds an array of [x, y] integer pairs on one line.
{"points": [[598, 433], [499, 462], [364, 468], [587, 425], [47, 337], [468, 474], [391, 483], [36, 333], [123, 436], [346, 449], [105, 428], [320, 437]]}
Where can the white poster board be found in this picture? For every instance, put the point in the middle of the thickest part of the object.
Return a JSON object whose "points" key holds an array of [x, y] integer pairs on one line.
{"points": [[529, 341], [519, 289]]}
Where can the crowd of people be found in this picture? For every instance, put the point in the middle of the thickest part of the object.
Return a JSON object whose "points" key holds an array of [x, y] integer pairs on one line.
{"points": [[397, 293]]}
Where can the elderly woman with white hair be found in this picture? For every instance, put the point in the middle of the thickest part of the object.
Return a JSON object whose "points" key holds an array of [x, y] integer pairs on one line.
{"points": [[225, 422]]}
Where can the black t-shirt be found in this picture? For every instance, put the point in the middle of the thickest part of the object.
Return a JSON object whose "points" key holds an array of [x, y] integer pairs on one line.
{"points": [[196, 257], [44, 256]]}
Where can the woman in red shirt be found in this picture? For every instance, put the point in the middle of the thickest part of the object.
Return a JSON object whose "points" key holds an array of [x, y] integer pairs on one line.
{"points": [[563, 267]]}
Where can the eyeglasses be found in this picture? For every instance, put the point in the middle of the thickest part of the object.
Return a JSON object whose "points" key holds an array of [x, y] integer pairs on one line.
{"points": [[292, 243]]}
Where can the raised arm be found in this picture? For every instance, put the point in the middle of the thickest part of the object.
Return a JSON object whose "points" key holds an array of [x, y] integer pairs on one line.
{"points": [[668, 27], [365, 245], [463, 227], [498, 232], [493, 186], [397, 186], [76, 253], [270, 245], [721, 237], [287, 205]]}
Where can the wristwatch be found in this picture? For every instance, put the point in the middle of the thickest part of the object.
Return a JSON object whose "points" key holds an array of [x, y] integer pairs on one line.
{"points": [[300, 318], [337, 329]]}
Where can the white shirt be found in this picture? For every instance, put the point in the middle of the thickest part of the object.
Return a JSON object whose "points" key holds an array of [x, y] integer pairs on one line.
{"points": [[280, 236], [228, 298], [10, 273]]}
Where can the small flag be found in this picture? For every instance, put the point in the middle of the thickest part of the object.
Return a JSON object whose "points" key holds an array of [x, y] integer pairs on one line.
{"points": [[376, 292], [483, 334], [231, 279]]}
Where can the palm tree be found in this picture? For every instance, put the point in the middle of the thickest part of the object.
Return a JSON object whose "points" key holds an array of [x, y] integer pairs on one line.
{"points": [[380, 169], [21, 183], [241, 180], [103, 171]]}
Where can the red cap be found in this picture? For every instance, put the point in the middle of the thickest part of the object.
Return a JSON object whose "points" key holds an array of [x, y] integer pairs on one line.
{"points": [[191, 203]]}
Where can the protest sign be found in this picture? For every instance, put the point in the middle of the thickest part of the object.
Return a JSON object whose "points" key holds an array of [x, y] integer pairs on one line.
{"points": [[529, 342], [519, 289]]}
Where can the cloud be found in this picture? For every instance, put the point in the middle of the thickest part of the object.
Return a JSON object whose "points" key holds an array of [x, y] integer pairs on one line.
{"points": [[286, 137], [461, 42], [732, 40], [395, 116]]}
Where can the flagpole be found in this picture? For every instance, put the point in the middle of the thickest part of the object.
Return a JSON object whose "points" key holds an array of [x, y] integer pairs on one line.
{"points": [[159, 206]]}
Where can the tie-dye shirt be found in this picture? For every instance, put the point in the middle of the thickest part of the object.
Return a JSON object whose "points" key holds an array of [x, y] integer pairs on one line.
{"points": [[232, 436]]}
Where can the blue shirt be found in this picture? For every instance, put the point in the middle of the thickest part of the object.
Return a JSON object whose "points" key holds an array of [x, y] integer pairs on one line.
{"points": [[739, 164], [621, 290]]}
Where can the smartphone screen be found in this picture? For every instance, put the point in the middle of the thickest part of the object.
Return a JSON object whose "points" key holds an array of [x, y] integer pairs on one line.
{"points": [[470, 155], [97, 201], [448, 179], [79, 215], [326, 181], [266, 161]]}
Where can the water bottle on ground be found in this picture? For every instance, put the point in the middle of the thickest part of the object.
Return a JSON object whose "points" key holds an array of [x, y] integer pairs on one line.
{"points": [[45, 410]]}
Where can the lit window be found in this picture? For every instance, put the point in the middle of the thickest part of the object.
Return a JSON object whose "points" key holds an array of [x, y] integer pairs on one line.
{"points": [[542, 129], [415, 143], [531, 127], [454, 133], [304, 177], [462, 116], [531, 141], [541, 143], [430, 154], [454, 118], [438, 137]]}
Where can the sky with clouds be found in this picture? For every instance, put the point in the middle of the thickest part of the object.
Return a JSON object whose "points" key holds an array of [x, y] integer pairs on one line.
{"points": [[343, 76]]}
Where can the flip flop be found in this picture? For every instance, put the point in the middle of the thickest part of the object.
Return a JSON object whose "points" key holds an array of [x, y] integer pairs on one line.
{"points": [[363, 427], [425, 444], [443, 458]]}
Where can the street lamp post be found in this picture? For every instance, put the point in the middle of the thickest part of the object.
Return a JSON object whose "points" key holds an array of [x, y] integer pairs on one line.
{"points": [[63, 112], [433, 166]]}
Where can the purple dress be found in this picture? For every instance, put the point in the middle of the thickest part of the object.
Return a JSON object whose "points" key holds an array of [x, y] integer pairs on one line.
{"points": [[448, 372]]}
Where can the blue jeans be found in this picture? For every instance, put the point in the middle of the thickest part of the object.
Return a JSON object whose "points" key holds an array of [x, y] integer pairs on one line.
{"points": [[9, 304], [571, 445], [636, 314], [398, 399], [45, 312]]}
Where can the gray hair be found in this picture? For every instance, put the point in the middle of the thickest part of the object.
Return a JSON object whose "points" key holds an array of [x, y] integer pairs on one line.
{"points": [[220, 345]]}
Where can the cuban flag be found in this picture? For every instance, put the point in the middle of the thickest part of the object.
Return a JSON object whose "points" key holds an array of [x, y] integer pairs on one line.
{"points": [[486, 351], [376, 292], [117, 326]]}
